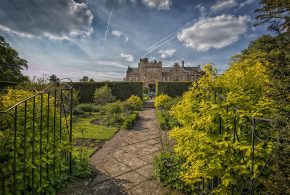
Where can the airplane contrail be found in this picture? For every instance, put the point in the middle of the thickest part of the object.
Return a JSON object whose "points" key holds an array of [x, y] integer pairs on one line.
{"points": [[108, 24], [161, 43], [158, 42]]}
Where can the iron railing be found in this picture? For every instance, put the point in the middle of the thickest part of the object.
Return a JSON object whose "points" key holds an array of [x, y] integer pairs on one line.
{"points": [[248, 130], [35, 140]]}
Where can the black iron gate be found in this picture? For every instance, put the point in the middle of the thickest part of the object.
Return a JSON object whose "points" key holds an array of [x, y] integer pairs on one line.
{"points": [[35, 140]]}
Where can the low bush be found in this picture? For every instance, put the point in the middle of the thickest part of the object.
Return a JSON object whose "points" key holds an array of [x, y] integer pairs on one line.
{"points": [[113, 108], [112, 120], [169, 104], [167, 169], [129, 121], [77, 111], [89, 107], [134, 103], [161, 100], [104, 95], [166, 122]]}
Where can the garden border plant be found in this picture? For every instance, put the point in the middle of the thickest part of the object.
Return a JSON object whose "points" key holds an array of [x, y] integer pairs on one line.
{"points": [[210, 135], [41, 157]]}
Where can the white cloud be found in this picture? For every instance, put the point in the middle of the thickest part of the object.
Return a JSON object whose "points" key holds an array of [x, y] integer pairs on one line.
{"points": [[223, 4], [128, 57], [53, 19], [119, 34], [214, 32], [159, 4], [166, 53], [116, 33]]}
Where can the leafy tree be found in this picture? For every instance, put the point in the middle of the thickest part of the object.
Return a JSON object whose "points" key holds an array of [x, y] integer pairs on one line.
{"points": [[277, 15], [53, 78], [91, 80], [209, 153], [11, 64], [104, 95], [84, 79]]}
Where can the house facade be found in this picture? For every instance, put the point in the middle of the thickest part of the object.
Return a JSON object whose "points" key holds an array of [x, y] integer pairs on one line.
{"points": [[151, 72]]}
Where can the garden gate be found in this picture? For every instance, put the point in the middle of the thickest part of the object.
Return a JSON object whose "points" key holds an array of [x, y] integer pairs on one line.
{"points": [[35, 140]]}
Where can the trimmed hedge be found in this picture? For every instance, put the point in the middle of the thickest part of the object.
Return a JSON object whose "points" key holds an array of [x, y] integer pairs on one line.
{"points": [[122, 90], [4, 84], [173, 89]]}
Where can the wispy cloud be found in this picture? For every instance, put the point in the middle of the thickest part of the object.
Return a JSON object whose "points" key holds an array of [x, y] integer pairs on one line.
{"points": [[202, 10], [126, 38], [128, 57], [116, 33], [246, 2], [119, 34], [159, 4], [223, 4]]}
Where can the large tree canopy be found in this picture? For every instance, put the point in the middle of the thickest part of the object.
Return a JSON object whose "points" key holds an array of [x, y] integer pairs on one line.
{"points": [[11, 64], [276, 14]]}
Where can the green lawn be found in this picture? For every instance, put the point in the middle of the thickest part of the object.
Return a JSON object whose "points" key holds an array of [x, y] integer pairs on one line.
{"points": [[83, 128]]}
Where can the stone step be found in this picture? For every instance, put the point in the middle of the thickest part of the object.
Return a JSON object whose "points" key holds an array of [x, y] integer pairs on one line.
{"points": [[148, 104]]}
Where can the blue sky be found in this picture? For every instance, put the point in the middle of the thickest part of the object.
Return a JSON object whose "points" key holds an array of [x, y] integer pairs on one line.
{"points": [[101, 38]]}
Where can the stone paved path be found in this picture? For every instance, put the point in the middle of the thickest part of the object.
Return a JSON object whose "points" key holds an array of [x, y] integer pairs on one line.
{"points": [[125, 162]]}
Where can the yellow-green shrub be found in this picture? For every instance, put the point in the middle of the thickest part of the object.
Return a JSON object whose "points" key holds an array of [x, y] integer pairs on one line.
{"points": [[161, 100], [209, 153], [134, 102]]}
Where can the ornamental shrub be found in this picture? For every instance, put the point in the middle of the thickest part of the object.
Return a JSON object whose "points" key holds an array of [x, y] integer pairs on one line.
{"points": [[103, 95], [204, 138], [129, 120], [166, 122], [161, 100], [167, 169], [134, 103], [113, 108]]}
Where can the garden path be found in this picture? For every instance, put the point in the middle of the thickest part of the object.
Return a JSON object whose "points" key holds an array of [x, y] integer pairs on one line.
{"points": [[125, 162]]}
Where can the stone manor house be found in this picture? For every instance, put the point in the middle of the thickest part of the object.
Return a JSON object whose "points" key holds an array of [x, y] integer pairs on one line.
{"points": [[151, 72]]}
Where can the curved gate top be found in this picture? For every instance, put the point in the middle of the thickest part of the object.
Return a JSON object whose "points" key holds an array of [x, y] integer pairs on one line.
{"points": [[35, 140]]}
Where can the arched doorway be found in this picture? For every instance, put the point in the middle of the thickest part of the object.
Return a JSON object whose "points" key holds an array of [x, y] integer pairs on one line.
{"points": [[152, 90]]}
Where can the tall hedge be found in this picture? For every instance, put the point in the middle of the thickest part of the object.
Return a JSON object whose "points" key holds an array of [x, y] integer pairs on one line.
{"points": [[173, 89], [122, 90], [4, 84]]}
